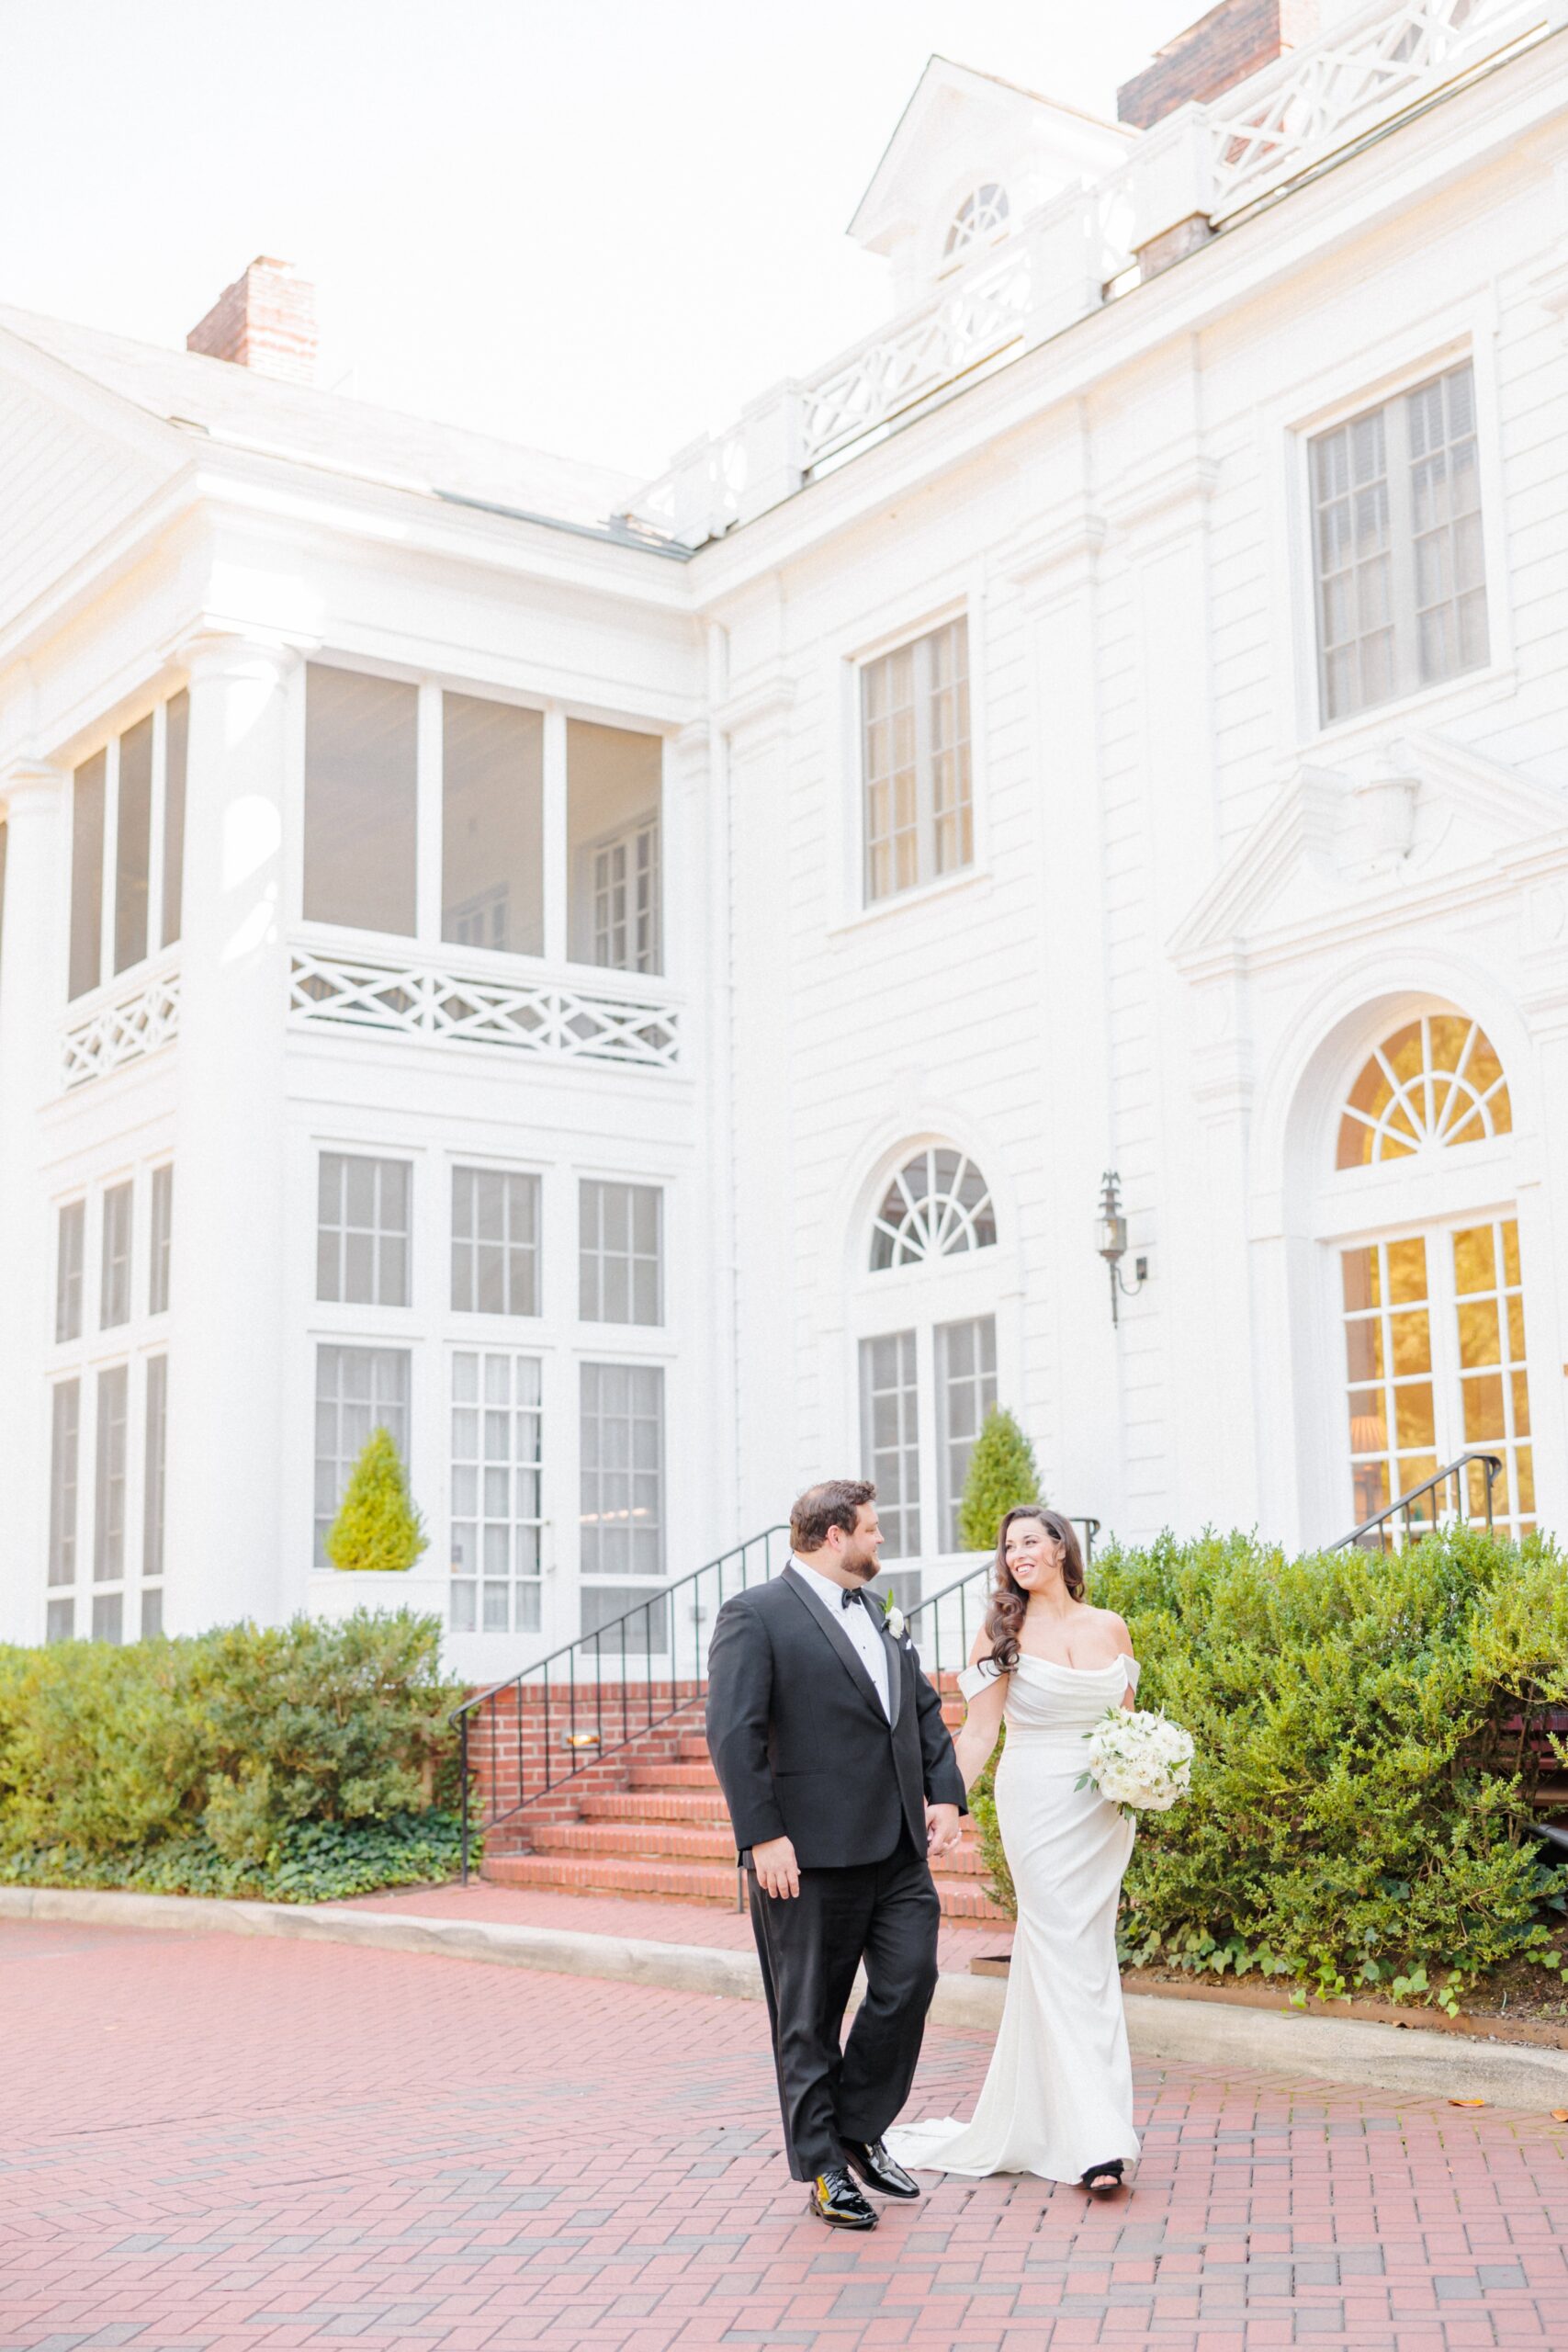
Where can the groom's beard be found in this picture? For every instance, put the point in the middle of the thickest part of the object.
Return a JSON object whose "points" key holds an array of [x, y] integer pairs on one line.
{"points": [[863, 1565]]}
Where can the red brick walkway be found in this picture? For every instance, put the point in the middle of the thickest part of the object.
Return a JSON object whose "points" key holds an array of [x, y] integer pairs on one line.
{"points": [[214, 2145]]}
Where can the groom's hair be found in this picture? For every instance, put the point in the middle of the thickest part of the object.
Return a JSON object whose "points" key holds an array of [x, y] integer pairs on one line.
{"points": [[834, 1503]]}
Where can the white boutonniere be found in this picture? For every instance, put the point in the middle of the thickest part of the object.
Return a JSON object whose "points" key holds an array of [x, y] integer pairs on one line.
{"points": [[893, 1618]]}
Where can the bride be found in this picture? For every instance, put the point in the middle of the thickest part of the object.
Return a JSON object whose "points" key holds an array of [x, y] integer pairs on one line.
{"points": [[1058, 2098]]}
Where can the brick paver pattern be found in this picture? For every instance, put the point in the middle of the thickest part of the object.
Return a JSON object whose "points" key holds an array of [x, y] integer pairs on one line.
{"points": [[215, 2144]]}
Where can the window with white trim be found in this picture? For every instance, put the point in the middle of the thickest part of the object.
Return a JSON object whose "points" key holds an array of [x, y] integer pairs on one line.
{"points": [[966, 1354], [65, 1472], [70, 1262], [620, 1253], [497, 1508], [153, 1490], [1398, 556], [114, 1281], [621, 1459], [112, 1414], [358, 1390], [890, 1437], [614, 791], [917, 806], [159, 1239], [362, 1229], [495, 1242], [938, 1205], [982, 216], [361, 794], [123, 798]]}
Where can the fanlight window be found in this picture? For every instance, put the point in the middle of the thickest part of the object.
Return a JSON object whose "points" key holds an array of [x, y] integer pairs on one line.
{"points": [[938, 1205], [982, 213], [1435, 1083]]}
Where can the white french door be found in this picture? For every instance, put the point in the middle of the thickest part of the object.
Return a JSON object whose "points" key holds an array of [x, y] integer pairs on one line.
{"points": [[1436, 1366]]}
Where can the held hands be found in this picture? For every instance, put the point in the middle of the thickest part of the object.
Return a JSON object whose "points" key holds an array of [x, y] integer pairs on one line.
{"points": [[942, 1831], [778, 1873]]}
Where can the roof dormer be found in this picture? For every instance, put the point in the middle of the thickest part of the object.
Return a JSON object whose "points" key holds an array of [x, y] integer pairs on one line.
{"points": [[973, 156]]}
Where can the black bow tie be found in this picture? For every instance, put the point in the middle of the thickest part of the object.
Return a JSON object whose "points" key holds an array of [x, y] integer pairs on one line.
{"points": [[851, 1594]]}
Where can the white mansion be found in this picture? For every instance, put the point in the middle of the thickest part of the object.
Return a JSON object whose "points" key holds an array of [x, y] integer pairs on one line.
{"points": [[636, 990]]}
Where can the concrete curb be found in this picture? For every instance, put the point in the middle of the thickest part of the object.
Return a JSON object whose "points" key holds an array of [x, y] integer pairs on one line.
{"points": [[1377, 2057]]}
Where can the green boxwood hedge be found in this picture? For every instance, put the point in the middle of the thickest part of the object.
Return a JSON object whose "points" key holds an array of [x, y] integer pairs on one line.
{"points": [[1368, 1731], [299, 1762]]}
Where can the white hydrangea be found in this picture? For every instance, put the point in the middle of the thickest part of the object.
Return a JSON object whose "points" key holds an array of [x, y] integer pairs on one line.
{"points": [[1139, 1761]]}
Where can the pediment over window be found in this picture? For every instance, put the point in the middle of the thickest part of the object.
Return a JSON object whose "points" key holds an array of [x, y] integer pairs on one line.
{"points": [[1416, 808], [971, 157]]}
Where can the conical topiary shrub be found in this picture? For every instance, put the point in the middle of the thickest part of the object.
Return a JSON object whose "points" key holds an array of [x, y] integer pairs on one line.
{"points": [[1002, 1474], [376, 1526]]}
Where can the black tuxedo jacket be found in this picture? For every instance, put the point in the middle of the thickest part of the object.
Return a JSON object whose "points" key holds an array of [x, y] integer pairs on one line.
{"points": [[800, 1741]]}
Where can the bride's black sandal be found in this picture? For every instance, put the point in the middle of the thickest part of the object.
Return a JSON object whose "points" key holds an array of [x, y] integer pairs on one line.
{"points": [[1103, 2180]]}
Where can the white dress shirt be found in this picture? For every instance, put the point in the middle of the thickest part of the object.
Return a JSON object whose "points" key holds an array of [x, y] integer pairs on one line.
{"points": [[856, 1622]]}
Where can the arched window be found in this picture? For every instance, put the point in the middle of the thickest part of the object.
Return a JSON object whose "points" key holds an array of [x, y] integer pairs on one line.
{"points": [[938, 1205], [1436, 1081], [926, 1349], [980, 217], [1433, 1316]]}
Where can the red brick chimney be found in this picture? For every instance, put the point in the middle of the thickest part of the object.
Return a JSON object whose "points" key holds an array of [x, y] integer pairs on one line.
{"points": [[1211, 56], [266, 319]]}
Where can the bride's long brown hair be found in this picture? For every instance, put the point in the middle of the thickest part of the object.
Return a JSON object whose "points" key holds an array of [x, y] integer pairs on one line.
{"points": [[1004, 1616]]}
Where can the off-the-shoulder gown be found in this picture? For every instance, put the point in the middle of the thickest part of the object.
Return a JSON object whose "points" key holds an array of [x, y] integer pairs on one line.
{"points": [[1058, 2095]]}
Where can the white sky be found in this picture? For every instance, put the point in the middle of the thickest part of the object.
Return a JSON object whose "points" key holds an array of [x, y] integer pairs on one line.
{"points": [[595, 226]]}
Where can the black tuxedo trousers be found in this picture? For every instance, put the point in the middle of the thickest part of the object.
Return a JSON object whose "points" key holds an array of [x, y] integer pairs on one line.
{"points": [[804, 1749]]}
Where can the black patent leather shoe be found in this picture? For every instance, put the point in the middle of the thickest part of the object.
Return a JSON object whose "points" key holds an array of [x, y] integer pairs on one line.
{"points": [[1103, 2180], [834, 2199], [876, 2168]]}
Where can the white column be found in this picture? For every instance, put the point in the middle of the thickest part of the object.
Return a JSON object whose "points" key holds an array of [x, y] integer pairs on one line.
{"points": [[226, 1528], [32, 999]]}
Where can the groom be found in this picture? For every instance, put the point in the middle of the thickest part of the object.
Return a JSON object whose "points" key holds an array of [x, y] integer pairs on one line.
{"points": [[840, 1777]]}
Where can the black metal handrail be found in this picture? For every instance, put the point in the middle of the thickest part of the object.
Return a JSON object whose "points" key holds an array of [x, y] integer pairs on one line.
{"points": [[930, 1650], [1381, 1526], [585, 1725]]}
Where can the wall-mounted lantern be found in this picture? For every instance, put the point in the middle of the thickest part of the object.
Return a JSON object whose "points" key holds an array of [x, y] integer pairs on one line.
{"points": [[1111, 1240]]}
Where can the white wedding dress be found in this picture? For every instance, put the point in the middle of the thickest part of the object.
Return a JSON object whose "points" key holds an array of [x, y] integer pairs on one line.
{"points": [[1058, 2094]]}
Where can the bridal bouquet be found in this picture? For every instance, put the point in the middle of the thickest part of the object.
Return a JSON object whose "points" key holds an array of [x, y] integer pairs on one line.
{"points": [[1139, 1761]]}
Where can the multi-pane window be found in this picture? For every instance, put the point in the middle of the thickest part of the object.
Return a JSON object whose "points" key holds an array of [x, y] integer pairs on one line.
{"points": [[1436, 1081], [621, 1455], [626, 900], [361, 771], [70, 1256], [1435, 1366], [938, 1205], [620, 1253], [495, 1242], [613, 785], [159, 1239], [119, 799], [1397, 545], [492, 863], [965, 1392], [362, 1230], [890, 1439], [919, 812], [154, 1456], [497, 1515], [114, 1279], [108, 1486], [358, 1390], [1493, 1380], [65, 1474]]}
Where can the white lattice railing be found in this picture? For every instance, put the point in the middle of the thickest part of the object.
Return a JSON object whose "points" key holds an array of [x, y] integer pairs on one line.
{"points": [[1203, 163], [543, 1016], [972, 319], [1371, 65], [122, 1029]]}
